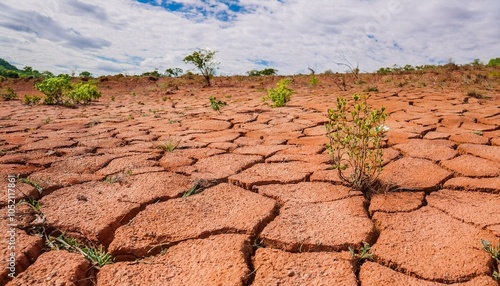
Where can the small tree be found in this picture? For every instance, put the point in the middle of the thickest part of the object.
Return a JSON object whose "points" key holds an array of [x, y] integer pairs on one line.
{"points": [[85, 74], [494, 62], [204, 61], [173, 72]]}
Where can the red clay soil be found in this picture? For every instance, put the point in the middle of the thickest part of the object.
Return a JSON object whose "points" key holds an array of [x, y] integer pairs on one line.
{"points": [[265, 208]]}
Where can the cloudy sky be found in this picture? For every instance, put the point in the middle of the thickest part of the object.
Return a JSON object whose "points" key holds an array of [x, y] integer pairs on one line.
{"points": [[135, 36]]}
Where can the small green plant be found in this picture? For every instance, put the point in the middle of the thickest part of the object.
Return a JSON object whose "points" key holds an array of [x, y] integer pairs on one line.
{"points": [[33, 203], [193, 190], [279, 95], [203, 60], [96, 255], [112, 179], [363, 253], [495, 254], [112, 98], [475, 94], [169, 145], [9, 94], [313, 80], [371, 89], [31, 99], [47, 120], [215, 104], [355, 132], [31, 182], [164, 98]]}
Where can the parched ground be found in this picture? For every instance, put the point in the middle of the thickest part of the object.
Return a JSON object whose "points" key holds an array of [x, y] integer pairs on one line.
{"points": [[272, 212]]}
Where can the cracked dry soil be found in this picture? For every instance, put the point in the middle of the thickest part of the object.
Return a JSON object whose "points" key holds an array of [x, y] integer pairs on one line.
{"points": [[272, 212]]}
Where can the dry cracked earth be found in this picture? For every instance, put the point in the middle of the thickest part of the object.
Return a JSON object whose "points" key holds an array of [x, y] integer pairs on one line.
{"points": [[272, 211]]}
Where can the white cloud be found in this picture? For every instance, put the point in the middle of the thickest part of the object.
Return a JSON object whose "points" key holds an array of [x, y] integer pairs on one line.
{"points": [[112, 36]]}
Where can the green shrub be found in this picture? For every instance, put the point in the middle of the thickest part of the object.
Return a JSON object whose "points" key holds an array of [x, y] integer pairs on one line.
{"points": [[494, 62], [215, 104], [9, 94], [85, 75], [266, 71], [83, 93], [31, 99], [279, 95], [204, 61], [313, 80], [173, 72], [355, 132], [59, 90], [54, 89], [495, 254]]}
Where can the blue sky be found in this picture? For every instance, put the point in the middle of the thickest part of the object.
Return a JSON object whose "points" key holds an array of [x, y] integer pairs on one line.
{"points": [[135, 36]]}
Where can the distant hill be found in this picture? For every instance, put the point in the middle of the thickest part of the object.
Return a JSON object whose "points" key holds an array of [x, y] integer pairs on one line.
{"points": [[8, 70], [6, 65]]}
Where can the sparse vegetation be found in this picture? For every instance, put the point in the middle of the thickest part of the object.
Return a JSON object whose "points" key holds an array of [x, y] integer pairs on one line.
{"points": [[169, 145], [279, 95], [474, 93], [31, 182], [204, 61], [33, 203], [313, 80], [9, 94], [363, 253], [196, 188], [96, 255], [355, 132], [31, 99], [111, 179], [495, 254], [371, 89], [215, 104]]}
